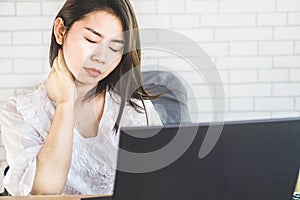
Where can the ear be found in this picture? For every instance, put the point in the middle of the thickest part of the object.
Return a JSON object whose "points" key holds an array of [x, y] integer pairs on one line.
{"points": [[59, 30]]}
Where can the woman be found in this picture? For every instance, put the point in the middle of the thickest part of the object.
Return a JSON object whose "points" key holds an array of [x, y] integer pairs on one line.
{"points": [[62, 137]]}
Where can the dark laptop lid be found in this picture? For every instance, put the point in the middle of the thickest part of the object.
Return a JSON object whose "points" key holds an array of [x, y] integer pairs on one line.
{"points": [[251, 160]]}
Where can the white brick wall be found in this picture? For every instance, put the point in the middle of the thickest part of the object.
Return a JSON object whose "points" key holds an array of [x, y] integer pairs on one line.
{"points": [[7, 8], [28, 8], [244, 34], [286, 33], [241, 104], [255, 45], [248, 90], [155, 21], [295, 75], [245, 6], [24, 51], [287, 61], [170, 7], [294, 19], [28, 66], [286, 89], [297, 48], [226, 20], [268, 104], [51, 8], [194, 6], [27, 37], [271, 19], [298, 103], [244, 62], [5, 38], [276, 48], [243, 76], [198, 35], [288, 5], [185, 21], [243, 48], [6, 66], [273, 75], [14, 23], [20, 81]]}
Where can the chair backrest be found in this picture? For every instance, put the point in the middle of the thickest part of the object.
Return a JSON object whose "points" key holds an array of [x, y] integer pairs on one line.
{"points": [[172, 104], [4, 192]]}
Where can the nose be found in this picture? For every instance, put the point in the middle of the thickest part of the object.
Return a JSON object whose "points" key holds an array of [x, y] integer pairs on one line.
{"points": [[98, 55]]}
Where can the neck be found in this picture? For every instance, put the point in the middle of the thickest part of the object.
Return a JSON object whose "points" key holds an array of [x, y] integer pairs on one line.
{"points": [[83, 89]]}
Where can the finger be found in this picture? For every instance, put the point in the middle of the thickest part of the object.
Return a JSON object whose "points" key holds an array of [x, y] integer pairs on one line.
{"points": [[58, 61], [61, 61], [52, 72], [55, 66]]}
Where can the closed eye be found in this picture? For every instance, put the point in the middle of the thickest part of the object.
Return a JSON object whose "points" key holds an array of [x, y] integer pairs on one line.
{"points": [[114, 50], [91, 41]]}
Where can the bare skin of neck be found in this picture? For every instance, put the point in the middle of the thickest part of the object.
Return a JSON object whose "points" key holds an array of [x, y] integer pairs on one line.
{"points": [[87, 114]]}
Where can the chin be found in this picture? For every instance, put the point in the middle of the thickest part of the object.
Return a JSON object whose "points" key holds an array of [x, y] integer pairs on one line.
{"points": [[87, 81]]}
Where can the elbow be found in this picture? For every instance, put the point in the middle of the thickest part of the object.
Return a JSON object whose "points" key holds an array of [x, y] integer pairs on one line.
{"points": [[47, 191], [46, 188]]}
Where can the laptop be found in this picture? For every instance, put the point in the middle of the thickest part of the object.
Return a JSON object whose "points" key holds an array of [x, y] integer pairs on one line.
{"points": [[257, 159]]}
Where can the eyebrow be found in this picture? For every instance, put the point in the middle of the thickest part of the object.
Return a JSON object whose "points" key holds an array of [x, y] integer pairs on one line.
{"points": [[98, 34], [118, 41], [93, 31]]}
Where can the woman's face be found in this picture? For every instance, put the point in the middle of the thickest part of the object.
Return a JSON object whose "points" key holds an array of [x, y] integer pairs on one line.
{"points": [[93, 47]]}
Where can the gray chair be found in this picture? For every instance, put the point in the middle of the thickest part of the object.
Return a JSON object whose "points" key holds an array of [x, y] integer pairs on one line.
{"points": [[172, 104], [5, 193]]}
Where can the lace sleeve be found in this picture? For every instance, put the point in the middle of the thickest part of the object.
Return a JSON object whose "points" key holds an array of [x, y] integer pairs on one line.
{"points": [[22, 143]]}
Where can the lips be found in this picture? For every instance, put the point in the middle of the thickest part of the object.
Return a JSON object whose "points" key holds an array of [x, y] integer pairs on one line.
{"points": [[92, 71]]}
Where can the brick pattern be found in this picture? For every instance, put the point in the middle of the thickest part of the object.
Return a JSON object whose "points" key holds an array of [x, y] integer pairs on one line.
{"points": [[255, 46]]}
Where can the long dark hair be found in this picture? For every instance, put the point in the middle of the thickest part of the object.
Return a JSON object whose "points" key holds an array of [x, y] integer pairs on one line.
{"points": [[130, 86]]}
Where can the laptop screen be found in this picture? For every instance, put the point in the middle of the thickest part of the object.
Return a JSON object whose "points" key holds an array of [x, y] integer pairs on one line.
{"points": [[251, 160]]}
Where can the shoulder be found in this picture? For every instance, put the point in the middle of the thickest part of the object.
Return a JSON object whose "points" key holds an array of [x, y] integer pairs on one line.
{"points": [[31, 107], [132, 116], [154, 118], [140, 116], [12, 104], [26, 100]]}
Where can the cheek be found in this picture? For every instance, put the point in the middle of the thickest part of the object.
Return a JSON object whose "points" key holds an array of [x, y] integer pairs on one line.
{"points": [[75, 53], [112, 65]]}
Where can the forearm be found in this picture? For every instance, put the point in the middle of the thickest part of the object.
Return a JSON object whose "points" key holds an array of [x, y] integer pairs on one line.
{"points": [[54, 159]]}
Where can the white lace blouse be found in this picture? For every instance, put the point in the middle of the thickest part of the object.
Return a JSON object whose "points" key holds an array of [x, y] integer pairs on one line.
{"points": [[25, 122]]}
